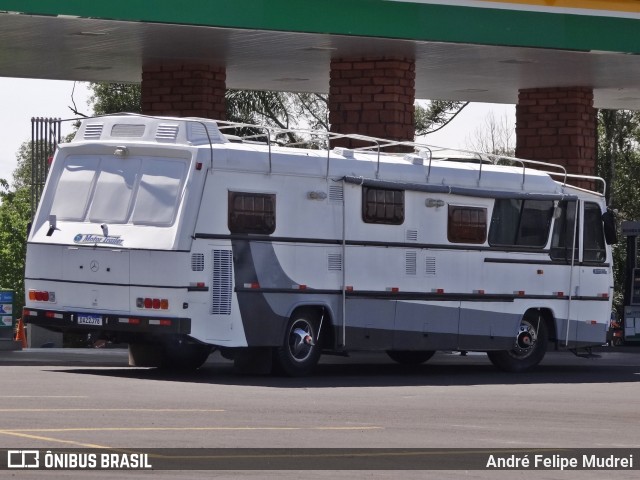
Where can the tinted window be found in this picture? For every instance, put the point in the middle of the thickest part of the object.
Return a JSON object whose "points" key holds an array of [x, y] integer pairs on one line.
{"points": [[563, 228], [521, 223], [382, 206], [252, 213], [467, 224], [593, 235]]}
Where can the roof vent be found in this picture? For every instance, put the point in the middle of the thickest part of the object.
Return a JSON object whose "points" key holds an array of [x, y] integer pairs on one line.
{"points": [[167, 132], [93, 131], [127, 130], [204, 132]]}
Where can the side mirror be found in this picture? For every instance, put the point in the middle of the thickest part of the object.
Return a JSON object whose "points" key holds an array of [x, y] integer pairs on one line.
{"points": [[610, 230]]}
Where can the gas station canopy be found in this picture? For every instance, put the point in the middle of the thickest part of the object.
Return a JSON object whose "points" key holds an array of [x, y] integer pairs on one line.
{"points": [[481, 51]]}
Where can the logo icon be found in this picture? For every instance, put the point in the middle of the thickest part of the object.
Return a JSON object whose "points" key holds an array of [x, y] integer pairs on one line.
{"points": [[23, 459], [94, 266]]}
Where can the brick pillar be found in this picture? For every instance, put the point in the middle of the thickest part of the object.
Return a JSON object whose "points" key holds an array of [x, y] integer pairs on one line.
{"points": [[372, 96], [558, 125], [184, 90]]}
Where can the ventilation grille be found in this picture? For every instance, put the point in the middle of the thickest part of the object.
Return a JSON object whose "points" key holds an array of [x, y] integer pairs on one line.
{"points": [[411, 235], [198, 133], [334, 262], [410, 263], [167, 132], [430, 266], [93, 131], [197, 262], [127, 130], [222, 282], [336, 193]]}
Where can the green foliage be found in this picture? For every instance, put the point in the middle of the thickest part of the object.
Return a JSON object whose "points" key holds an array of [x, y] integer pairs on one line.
{"points": [[436, 115], [115, 98], [283, 110], [277, 109], [619, 164], [15, 214]]}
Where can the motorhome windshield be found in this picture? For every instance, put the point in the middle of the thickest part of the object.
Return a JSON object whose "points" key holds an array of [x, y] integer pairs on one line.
{"points": [[138, 190]]}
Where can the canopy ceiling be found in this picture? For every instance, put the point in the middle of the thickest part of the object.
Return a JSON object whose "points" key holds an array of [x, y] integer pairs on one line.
{"points": [[461, 52]]}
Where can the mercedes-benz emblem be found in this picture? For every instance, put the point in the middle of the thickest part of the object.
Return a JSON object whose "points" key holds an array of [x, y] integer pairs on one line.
{"points": [[94, 266]]}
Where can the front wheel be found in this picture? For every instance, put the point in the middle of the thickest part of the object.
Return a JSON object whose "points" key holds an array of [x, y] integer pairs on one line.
{"points": [[529, 348], [300, 350]]}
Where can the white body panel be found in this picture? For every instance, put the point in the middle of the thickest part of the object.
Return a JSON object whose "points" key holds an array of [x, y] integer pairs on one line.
{"points": [[235, 290]]}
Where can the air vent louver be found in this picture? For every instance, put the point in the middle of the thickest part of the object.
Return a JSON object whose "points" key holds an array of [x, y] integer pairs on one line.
{"points": [[430, 266], [222, 282], [334, 262], [167, 132], [93, 131], [336, 193], [127, 130], [197, 262], [411, 262]]}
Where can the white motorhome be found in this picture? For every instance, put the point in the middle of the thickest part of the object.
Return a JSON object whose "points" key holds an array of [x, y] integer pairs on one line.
{"points": [[164, 234]]}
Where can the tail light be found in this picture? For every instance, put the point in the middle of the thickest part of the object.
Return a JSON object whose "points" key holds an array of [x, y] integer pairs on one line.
{"points": [[42, 296], [152, 303]]}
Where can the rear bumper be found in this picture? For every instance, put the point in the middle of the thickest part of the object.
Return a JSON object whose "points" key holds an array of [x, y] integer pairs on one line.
{"points": [[73, 322]]}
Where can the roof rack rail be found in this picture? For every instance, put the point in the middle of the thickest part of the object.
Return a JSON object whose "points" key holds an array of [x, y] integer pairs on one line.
{"points": [[379, 144]]}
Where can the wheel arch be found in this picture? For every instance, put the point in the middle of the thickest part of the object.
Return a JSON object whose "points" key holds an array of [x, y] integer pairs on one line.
{"points": [[321, 311], [547, 316]]}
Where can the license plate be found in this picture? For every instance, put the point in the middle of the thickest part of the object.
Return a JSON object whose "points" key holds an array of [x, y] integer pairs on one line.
{"points": [[89, 320]]}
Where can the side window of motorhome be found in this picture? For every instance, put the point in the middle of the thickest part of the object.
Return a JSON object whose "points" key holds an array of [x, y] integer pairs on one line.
{"points": [[593, 239], [563, 229], [520, 223], [382, 206], [252, 213], [467, 224]]}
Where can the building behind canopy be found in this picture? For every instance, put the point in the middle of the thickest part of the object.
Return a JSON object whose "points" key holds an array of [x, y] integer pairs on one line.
{"points": [[557, 61]]}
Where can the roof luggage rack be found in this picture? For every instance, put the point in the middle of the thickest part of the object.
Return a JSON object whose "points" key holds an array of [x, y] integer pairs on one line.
{"points": [[323, 139]]}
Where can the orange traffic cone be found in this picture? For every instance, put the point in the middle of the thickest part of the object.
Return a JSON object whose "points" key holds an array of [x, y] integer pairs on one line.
{"points": [[20, 333]]}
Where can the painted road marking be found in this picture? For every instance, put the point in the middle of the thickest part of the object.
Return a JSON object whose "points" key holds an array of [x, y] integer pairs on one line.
{"points": [[50, 439], [153, 410], [145, 429], [28, 432]]}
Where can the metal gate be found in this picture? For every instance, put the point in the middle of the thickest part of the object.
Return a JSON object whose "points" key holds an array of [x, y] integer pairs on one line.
{"points": [[45, 136]]}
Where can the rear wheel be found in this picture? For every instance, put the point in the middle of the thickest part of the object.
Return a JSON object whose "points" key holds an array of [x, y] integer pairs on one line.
{"points": [[180, 355], [529, 348], [300, 350], [410, 357]]}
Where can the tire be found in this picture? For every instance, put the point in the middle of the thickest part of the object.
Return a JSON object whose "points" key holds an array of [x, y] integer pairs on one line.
{"points": [[410, 357], [183, 356], [529, 348], [297, 357]]}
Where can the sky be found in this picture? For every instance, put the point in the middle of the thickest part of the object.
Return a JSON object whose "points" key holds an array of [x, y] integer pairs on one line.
{"points": [[22, 99]]}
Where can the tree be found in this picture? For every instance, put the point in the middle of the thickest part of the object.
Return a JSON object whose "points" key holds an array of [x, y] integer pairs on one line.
{"points": [[618, 162], [15, 213], [495, 136], [436, 115], [115, 98], [283, 110]]}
